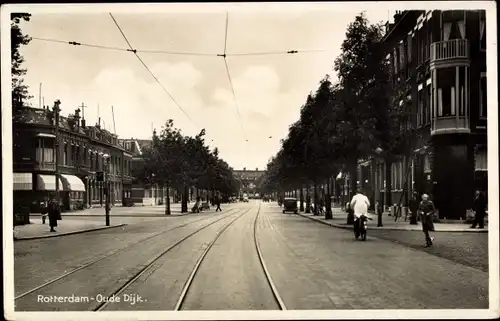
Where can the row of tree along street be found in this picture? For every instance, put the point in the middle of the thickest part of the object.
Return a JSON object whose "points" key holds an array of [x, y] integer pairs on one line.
{"points": [[342, 123], [179, 162]]}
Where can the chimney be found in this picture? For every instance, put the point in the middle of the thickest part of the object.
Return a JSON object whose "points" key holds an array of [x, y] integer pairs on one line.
{"points": [[256, 169], [244, 168], [77, 117]]}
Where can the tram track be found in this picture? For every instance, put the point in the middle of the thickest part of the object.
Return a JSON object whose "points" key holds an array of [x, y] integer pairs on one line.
{"points": [[189, 282], [115, 252], [148, 266]]}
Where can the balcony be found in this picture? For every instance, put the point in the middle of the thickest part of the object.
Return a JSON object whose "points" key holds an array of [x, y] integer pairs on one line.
{"points": [[48, 167], [451, 52], [450, 125]]}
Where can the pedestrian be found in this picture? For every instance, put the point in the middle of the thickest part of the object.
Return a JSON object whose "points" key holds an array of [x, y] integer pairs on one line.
{"points": [[359, 205], [380, 210], [426, 210], [479, 208], [218, 201], [54, 212], [413, 207], [44, 208]]}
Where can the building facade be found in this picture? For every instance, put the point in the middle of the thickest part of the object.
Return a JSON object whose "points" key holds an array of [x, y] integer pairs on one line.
{"points": [[438, 63], [249, 180], [82, 151]]}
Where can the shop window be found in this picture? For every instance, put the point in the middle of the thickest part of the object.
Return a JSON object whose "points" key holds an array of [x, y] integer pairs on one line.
{"points": [[481, 160]]}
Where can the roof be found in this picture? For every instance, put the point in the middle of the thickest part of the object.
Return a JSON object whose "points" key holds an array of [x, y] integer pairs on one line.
{"points": [[42, 117]]}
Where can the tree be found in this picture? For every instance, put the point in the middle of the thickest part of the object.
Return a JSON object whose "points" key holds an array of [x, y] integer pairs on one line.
{"points": [[163, 161], [178, 161], [19, 90], [359, 79]]}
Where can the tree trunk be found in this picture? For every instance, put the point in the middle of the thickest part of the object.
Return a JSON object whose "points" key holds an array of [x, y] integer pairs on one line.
{"points": [[185, 196], [167, 201], [316, 210], [308, 200], [388, 183], [301, 199], [328, 200], [353, 174]]}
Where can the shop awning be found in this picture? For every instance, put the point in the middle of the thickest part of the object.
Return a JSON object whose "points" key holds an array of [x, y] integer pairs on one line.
{"points": [[23, 182], [48, 183], [73, 183]]}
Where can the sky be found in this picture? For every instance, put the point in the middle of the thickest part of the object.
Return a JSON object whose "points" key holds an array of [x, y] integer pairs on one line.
{"points": [[269, 89]]}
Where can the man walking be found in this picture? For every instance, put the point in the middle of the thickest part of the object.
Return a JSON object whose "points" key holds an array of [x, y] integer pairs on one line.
{"points": [[359, 204], [217, 202], [426, 210], [479, 208], [54, 212]]}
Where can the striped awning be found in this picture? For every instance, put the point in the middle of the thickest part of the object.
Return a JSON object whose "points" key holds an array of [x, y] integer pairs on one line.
{"points": [[73, 183], [48, 183], [23, 181]]}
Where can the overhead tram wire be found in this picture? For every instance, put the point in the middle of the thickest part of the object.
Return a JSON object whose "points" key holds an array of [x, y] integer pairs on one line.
{"points": [[231, 81], [175, 53], [149, 70]]}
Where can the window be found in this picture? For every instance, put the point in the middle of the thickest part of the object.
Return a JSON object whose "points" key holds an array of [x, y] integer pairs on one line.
{"points": [[483, 103], [65, 154], [45, 151], [420, 108], [428, 105], [409, 47], [481, 161], [427, 164], [482, 34], [461, 93]]}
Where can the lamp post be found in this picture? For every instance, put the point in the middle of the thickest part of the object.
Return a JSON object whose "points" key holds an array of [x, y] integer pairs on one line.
{"points": [[106, 187], [379, 208]]}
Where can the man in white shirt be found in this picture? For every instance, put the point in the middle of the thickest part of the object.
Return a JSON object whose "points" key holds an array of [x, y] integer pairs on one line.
{"points": [[359, 204]]}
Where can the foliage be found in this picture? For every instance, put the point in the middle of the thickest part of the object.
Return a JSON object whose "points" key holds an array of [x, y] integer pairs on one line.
{"points": [[177, 161], [343, 122], [18, 38]]}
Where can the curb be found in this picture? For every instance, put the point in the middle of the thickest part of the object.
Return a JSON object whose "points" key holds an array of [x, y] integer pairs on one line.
{"points": [[348, 227], [67, 233], [116, 215]]}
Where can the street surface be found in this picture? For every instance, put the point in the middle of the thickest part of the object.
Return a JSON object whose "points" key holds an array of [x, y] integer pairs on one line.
{"points": [[311, 266]]}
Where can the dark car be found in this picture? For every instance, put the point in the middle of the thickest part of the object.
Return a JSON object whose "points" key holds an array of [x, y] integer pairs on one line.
{"points": [[290, 205]]}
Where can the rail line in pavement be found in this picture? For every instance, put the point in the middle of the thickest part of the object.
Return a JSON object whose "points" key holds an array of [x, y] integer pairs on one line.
{"points": [[191, 277], [114, 252], [143, 270]]}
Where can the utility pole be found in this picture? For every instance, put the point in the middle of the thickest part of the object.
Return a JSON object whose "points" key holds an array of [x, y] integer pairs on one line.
{"points": [[56, 124], [107, 191], [40, 96]]}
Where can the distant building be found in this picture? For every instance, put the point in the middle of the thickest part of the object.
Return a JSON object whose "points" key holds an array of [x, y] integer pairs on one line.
{"points": [[250, 180], [82, 153], [439, 69]]}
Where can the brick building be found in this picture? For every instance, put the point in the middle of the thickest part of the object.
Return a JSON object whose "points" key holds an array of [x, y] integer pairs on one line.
{"points": [[438, 61], [249, 179], [83, 151]]}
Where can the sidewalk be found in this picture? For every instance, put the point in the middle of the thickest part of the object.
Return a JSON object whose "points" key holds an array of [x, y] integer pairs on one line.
{"points": [[37, 230], [155, 210], [340, 220]]}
